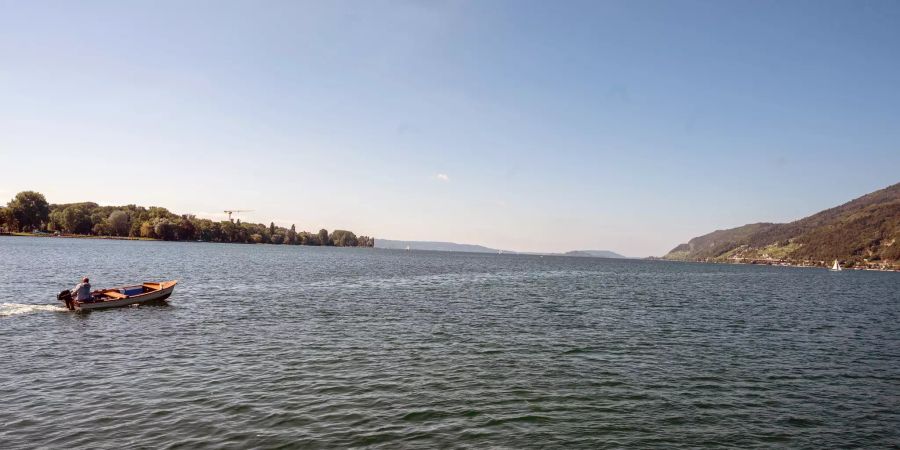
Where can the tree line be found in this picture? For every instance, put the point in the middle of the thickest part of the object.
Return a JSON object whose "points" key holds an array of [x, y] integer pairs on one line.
{"points": [[29, 211]]}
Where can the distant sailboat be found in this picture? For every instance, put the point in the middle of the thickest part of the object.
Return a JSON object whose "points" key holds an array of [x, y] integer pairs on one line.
{"points": [[836, 267], [407, 248]]}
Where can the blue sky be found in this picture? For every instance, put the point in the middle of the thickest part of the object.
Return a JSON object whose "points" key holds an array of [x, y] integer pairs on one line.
{"points": [[540, 126]]}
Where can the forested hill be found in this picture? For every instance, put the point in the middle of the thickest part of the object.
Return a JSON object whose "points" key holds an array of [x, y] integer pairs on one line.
{"points": [[864, 231]]}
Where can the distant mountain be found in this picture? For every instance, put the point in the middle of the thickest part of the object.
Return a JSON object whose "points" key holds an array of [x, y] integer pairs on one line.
{"points": [[864, 231], [594, 254], [454, 247], [434, 246]]}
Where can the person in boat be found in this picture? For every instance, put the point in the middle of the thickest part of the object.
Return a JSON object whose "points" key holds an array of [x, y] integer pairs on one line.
{"points": [[82, 291]]}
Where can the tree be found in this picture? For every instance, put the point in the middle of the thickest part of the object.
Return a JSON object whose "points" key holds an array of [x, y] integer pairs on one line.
{"points": [[207, 230], [98, 217], [77, 219], [156, 212], [29, 209], [147, 229], [101, 229], [164, 229], [248, 229], [6, 219], [229, 231], [56, 221], [343, 238], [136, 225], [186, 231], [119, 223], [292, 235]]}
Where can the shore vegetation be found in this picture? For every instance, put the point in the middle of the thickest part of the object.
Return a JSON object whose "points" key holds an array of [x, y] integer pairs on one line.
{"points": [[29, 212], [862, 233]]}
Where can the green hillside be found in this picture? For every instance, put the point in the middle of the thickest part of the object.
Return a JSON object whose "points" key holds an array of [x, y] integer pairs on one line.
{"points": [[864, 231]]}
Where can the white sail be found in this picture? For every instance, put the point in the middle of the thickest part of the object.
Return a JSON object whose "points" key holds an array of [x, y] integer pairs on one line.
{"points": [[836, 265]]}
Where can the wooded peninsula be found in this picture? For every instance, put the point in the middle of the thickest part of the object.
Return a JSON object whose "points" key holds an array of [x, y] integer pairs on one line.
{"points": [[29, 212]]}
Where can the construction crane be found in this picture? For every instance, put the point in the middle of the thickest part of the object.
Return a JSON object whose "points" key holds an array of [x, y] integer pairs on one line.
{"points": [[235, 211]]}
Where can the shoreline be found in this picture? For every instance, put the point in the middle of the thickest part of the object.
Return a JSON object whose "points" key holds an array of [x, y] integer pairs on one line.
{"points": [[779, 263], [808, 265], [129, 238], [80, 236]]}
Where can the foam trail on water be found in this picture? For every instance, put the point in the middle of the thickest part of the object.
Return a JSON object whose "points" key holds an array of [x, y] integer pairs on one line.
{"points": [[14, 309]]}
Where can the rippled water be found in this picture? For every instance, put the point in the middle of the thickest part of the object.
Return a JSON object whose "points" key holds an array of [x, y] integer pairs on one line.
{"points": [[268, 346]]}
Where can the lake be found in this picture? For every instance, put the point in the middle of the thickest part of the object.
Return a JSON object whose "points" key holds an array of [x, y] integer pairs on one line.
{"points": [[277, 346]]}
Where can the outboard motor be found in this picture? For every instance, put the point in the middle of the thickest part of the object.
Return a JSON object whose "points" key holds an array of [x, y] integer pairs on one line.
{"points": [[66, 296]]}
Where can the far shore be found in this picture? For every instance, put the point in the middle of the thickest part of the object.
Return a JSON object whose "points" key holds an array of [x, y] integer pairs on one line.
{"points": [[804, 264], [779, 263], [79, 236], [125, 238]]}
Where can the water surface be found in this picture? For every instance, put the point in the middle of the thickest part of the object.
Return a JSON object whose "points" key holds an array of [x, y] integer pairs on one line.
{"points": [[268, 346]]}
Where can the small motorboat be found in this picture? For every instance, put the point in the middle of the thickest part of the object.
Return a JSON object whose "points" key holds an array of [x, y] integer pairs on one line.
{"points": [[138, 294]]}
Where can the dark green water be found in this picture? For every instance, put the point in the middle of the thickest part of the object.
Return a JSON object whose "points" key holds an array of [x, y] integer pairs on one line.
{"points": [[274, 346]]}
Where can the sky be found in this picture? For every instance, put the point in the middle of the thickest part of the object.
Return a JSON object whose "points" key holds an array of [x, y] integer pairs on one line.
{"points": [[629, 126]]}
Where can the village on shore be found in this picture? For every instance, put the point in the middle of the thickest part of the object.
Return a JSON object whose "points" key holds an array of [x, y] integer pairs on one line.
{"points": [[845, 265]]}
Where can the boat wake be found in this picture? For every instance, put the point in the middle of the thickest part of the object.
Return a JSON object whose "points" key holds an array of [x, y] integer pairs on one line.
{"points": [[14, 309]]}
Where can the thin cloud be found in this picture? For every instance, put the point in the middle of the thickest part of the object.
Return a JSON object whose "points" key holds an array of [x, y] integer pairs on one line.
{"points": [[442, 177]]}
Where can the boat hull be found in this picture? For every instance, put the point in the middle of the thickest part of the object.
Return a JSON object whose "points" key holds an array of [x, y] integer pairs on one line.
{"points": [[148, 297]]}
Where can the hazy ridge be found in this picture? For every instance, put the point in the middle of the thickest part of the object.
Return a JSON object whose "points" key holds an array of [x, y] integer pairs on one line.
{"points": [[433, 246], [440, 246], [594, 254]]}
